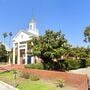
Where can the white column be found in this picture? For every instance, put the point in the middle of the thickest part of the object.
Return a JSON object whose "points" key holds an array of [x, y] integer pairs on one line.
{"points": [[32, 60], [9, 61], [13, 53], [26, 53], [18, 53]]}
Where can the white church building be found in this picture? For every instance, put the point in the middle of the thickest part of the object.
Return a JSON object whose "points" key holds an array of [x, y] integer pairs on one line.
{"points": [[20, 47]]}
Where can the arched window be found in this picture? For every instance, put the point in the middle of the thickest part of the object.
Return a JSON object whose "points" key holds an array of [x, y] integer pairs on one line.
{"points": [[31, 27]]}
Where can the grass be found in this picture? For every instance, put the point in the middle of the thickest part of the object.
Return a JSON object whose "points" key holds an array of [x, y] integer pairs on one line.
{"points": [[27, 84], [36, 85]]}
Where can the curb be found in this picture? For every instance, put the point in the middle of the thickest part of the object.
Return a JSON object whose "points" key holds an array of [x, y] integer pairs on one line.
{"points": [[8, 86]]}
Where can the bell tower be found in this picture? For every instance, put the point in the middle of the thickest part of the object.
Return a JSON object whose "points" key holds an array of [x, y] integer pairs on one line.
{"points": [[32, 27]]}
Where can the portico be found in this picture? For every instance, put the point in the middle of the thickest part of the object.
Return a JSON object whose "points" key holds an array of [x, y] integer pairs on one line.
{"points": [[20, 53]]}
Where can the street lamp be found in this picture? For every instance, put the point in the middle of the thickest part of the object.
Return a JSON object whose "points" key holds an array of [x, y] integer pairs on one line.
{"points": [[15, 74]]}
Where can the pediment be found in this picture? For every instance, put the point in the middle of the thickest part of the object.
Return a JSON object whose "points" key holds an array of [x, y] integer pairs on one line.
{"points": [[22, 36]]}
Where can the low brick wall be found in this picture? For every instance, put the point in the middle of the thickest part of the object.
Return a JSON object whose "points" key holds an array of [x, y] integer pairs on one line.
{"points": [[76, 80]]}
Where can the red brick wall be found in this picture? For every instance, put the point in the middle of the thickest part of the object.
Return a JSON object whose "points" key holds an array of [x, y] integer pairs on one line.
{"points": [[77, 80]]}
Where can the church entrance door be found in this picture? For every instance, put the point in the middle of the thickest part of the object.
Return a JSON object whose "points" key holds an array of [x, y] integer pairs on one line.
{"points": [[22, 56]]}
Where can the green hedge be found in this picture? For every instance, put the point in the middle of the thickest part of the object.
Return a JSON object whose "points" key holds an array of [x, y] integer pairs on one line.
{"points": [[76, 64], [24, 75], [83, 63], [35, 66], [63, 65], [88, 62], [73, 64]]}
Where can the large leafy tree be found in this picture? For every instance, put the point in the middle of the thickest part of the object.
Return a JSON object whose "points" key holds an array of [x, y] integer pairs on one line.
{"points": [[72, 52], [87, 50], [82, 53], [78, 53], [87, 34], [3, 53], [50, 46]]}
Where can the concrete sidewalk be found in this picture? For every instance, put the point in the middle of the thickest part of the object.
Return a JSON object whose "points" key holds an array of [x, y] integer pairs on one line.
{"points": [[5, 86], [2, 87]]}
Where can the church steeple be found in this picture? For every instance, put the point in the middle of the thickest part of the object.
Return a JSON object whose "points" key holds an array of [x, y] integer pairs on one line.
{"points": [[32, 27]]}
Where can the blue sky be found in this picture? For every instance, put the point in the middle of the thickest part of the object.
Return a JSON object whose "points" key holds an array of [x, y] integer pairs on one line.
{"points": [[69, 16]]}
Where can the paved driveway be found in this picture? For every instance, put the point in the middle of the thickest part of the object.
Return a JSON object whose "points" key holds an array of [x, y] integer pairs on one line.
{"points": [[82, 71]]}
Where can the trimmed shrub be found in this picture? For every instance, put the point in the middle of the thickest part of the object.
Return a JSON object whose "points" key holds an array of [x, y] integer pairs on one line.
{"points": [[25, 75], [35, 66], [34, 78], [83, 63], [61, 65], [88, 62], [60, 83]]}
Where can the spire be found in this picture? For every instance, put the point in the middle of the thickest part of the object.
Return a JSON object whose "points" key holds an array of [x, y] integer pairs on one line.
{"points": [[33, 14], [32, 25]]}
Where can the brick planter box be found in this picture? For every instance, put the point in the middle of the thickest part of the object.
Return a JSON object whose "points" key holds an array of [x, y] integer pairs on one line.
{"points": [[77, 80]]}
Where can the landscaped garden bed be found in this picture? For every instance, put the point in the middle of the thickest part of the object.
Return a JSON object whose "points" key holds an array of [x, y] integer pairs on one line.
{"points": [[25, 82]]}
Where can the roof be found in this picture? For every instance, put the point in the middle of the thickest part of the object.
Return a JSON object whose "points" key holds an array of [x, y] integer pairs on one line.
{"points": [[26, 32]]}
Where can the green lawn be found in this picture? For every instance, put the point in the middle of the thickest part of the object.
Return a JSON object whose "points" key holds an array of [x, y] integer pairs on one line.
{"points": [[27, 84], [37, 85]]}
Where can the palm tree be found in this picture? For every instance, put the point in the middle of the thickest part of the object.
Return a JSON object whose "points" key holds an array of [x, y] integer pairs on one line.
{"points": [[87, 34], [4, 35], [10, 34]]}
